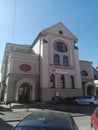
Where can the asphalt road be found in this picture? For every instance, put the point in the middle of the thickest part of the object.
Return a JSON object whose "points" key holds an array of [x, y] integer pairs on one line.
{"points": [[10, 117], [82, 122]]}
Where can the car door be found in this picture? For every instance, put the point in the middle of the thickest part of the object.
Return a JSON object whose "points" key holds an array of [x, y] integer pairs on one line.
{"points": [[95, 120], [83, 100], [86, 100], [80, 100]]}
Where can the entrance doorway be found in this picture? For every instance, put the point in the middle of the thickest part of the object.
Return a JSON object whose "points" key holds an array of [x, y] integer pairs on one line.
{"points": [[90, 90], [24, 93]]}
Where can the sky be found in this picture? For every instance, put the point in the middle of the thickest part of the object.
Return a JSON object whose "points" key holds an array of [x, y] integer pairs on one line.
{"points": [[22, 20]]}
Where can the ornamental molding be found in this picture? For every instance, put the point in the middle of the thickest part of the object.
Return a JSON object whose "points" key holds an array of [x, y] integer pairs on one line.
{"points": [[25, 67]]}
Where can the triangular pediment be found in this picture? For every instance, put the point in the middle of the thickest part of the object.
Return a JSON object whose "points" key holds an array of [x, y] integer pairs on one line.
{"points": [[60, 30]]}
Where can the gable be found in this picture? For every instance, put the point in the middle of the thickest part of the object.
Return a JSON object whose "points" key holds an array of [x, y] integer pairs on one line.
{"points": [[60, 30]]}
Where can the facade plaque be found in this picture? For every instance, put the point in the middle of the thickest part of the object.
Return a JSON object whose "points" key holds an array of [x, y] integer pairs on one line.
{"points": [[25, 67]]}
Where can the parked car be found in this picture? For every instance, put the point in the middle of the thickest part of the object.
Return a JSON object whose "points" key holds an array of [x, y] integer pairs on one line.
{"points": [[47, 120], [94, 120], [87, 100]]}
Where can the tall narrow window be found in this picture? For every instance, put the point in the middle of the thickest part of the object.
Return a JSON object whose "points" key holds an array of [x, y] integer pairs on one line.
{"points": [[72, 81], [62, 80], [52, 81], [65, 61], [56, 59]]}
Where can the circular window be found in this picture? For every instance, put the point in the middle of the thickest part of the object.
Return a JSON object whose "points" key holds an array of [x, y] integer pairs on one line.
{"points": [[61, 32], [59, 46], [84, 73]]}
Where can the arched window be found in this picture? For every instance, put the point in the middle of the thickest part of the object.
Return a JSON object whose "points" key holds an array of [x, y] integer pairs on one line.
{"points": [[65, 61], [72, 81], [52, 81], [56, 59], [59, 46], [84, 73], [62, 80]]}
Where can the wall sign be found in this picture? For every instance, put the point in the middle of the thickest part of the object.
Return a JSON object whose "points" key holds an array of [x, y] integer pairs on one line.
{"points": [[62, 71], [25, 67]]}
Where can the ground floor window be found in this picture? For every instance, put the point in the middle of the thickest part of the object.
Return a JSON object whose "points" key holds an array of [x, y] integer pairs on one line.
{"points": [[62, 81], [52, 81], [72, 81]]}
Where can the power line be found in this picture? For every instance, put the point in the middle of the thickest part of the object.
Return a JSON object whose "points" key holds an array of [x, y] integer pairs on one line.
{"points": [[14, 18]]}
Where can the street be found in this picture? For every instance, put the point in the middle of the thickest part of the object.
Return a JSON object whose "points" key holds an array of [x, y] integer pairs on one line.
{"points": [[83, 124], [81, 114]]}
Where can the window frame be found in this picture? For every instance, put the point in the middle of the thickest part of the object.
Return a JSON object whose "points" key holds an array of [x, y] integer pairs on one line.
{"points": [[60, 47], [72, 82], [56, 59], [52, 81], [84, 73], [65, 60], [62, 81]]}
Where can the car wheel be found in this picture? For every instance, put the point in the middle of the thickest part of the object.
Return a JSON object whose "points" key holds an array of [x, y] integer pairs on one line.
{"points": [[75, 103], [91, 103], [92, 128]]}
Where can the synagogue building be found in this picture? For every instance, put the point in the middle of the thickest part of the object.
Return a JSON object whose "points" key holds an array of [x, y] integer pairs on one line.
{"points": [[47, 68]]}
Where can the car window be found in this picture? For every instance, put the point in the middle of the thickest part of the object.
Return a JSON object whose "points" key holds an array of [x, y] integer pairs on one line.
{"points": [[97, 113], [88, 97], [79, 98]]}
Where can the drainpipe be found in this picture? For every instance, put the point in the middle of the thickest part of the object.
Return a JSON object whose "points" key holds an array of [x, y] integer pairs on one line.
{"points": [[38, 91]]}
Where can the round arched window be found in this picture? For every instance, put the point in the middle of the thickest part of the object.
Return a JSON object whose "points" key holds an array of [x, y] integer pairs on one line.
{"points": [[84, 73], [59, 46]]}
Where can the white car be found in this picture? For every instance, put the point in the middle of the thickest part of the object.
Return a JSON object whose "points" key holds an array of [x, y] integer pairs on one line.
{"points": [[87, 100]]}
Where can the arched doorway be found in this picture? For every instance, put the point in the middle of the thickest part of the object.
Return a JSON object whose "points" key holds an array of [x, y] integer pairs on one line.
{"points": [[29, 90], [24, 93], [90, 90]]}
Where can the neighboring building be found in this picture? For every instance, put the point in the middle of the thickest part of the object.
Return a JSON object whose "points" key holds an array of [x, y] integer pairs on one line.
{"points": [[87, 77], [96, 80], [49, 67], [95, 71]]}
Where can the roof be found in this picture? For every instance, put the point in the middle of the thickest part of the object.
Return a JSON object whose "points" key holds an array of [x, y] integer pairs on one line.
{"points": [[60, 27], [55, 30], [48, 118]]}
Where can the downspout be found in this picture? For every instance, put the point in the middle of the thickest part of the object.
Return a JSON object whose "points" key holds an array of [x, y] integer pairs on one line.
{"points": [[39, 92]]}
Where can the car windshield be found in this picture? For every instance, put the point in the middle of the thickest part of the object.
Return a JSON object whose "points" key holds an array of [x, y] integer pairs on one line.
{"points": [[40, 128]]}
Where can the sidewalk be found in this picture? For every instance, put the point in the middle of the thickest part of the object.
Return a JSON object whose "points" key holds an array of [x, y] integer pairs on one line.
{"points": [[19, 108], [10, 115]]}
